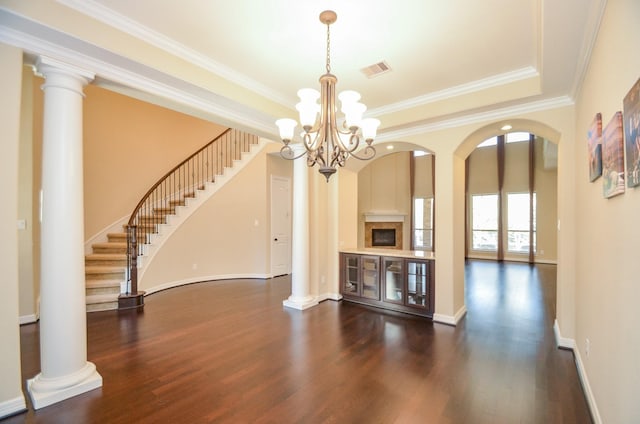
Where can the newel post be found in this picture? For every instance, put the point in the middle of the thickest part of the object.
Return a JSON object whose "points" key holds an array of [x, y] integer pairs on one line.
{"points": [[132, 298]]}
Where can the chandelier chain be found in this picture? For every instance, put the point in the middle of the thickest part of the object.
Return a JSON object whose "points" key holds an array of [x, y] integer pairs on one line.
{"points": [[328, 50]]}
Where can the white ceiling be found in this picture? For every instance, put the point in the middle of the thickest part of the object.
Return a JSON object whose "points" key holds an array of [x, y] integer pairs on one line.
{"points": [[448, 57]]}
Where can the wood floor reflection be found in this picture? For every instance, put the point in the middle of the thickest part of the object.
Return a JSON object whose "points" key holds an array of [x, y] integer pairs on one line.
{"points": [[229, 352]]}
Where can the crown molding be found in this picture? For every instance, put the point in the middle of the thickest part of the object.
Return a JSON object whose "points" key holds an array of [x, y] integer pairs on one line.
{"points": [[473, 118], [596, 13], [459, 90], [38, 40], [127, 25]]}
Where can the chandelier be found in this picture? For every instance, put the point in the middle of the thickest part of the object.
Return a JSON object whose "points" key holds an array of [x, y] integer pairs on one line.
{"points": [[326, 142]]}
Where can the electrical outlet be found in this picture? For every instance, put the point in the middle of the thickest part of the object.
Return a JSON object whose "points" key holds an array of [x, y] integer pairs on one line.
{"points": [[587, 347]]}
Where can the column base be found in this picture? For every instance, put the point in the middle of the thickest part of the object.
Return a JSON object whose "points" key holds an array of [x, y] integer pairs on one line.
{"points": [[300, 303], [47, 391]]}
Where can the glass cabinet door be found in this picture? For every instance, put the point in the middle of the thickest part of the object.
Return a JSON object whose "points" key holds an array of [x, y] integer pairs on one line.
{"points": [[351, 279], [393, 279], [370, 277], [417, 279]]}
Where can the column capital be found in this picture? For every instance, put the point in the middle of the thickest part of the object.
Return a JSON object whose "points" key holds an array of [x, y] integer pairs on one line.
{"points": [[48, 67]]}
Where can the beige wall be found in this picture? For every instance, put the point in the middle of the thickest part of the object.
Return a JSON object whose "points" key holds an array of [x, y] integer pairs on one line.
{"points": [[227, 237], [607, 265], [383, 187], [11, 397], [28, 202], [128, 146], [483, 179]]}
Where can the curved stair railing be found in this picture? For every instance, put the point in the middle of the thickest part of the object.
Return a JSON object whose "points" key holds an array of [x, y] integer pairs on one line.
{"points": [[171, 191]]}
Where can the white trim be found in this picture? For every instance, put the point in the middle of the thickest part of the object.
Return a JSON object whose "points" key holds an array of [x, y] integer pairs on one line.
{"points": [[329, 296], [562, 342], [384, 217], [12, 406], [28, 319], [204, 279], [451, 320], [459, 90], [45, 391], [36, 39], [586, 387], [493, 115], [567, 343], [146, 34], [300, 304], [594, 19]]}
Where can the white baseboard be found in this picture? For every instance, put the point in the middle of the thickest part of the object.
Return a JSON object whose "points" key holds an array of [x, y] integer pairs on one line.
{"points": [[12, 406], [203, 279], [562, 342], [28, 319], [566, 343], [451, 319], [329, 296]]}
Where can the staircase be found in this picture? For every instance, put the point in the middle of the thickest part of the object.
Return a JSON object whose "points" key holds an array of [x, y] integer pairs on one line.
{"points": [[105, 272], [111, 270]]}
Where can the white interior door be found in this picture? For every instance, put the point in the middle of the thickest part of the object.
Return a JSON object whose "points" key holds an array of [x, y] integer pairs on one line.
{"points": [[280, 226]]}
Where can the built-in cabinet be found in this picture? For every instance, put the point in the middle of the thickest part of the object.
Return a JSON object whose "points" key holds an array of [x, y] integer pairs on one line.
{"points": [[403, 284]]}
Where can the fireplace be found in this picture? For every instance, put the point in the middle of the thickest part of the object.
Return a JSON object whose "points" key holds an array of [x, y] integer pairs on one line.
{"points": [[383, 237]]}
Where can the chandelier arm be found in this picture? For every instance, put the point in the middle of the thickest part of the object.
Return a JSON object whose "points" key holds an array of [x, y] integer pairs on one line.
{"points": [[288, 153], [314, 148], [369, 153]]}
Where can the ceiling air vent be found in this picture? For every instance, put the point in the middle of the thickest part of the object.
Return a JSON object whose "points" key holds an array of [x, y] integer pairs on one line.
{"points": [[376, 69]]}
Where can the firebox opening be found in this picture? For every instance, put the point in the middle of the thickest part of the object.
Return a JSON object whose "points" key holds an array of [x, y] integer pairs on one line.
{"points": [[383, 237]]}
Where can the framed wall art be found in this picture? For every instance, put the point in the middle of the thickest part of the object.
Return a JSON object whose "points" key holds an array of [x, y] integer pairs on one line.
{"points": [[613, 157], [594, 144], [632, 134]]}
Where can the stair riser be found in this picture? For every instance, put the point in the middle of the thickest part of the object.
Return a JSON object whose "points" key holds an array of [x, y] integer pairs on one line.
{"points": [[106, 306], [110, 250], [102, 290], [113, 275], [105, 262]]}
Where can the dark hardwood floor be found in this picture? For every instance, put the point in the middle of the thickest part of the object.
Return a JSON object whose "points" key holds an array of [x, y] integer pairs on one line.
{"points": [[229, 352]]}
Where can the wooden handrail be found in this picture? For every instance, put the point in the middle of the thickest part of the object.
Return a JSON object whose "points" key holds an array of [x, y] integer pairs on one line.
{"points": [[168, 174]]}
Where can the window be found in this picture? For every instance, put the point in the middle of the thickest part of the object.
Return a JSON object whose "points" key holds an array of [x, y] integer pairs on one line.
{"points": [[484, 222], [423, 223], [513, 137], [518, 222]]}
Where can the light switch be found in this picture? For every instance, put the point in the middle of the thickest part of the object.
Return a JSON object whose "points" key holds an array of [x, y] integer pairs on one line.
{"points": [[22, 224]]}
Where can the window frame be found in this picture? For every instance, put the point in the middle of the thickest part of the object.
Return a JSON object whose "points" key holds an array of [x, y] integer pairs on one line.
{"points": [[509, 230], [473, 229], [427, 229]]}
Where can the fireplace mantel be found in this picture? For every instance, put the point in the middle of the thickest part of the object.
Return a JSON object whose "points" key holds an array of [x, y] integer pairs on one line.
{"points": [[384, 217]]}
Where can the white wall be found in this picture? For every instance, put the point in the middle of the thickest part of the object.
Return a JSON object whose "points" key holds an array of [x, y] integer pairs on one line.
{"points": [[607, 267], [11, 397]]}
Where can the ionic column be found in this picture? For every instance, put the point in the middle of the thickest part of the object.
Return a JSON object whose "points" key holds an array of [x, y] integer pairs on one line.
{"points": [[300, 289], [65, 371]]}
